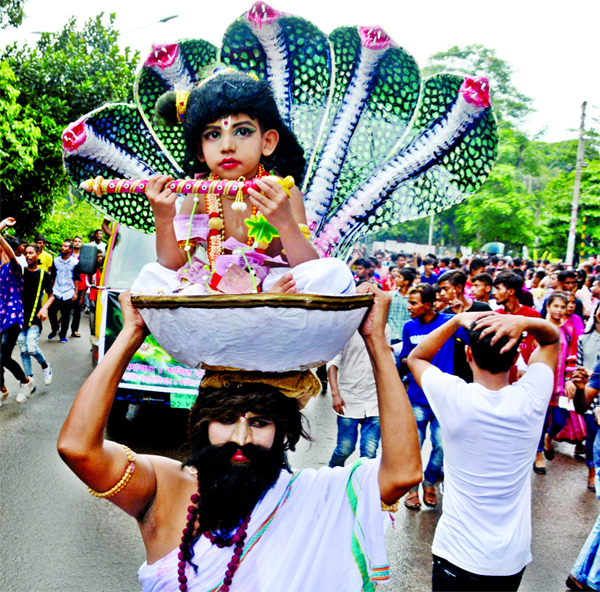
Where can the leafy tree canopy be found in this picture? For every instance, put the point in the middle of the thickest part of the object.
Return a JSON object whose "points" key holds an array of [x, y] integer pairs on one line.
{"points": [[67, 74], [68, 220], [501, 210], [556, 215], [18, 135], [12, 13]]}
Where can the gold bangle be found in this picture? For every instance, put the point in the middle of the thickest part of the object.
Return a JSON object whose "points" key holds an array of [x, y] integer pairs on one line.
{"points": [[124, 479], [392, 508]]}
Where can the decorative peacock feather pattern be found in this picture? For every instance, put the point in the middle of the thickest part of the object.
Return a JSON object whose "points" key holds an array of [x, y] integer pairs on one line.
{"points": [[382, 146]]}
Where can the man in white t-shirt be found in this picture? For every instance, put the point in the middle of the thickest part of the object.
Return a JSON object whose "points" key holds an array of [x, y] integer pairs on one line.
{"points": [[490, 431], [354, 396], [97, 241]]}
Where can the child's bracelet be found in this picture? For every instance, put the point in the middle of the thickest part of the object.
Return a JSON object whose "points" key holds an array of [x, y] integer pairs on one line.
{"points": [[305, 231]]}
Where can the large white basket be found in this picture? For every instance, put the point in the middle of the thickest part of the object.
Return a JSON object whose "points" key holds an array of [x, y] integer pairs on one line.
{"points": [[264, 332]]}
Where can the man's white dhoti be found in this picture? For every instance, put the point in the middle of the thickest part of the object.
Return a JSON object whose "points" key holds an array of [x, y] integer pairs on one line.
{"points": [[314, 531]]}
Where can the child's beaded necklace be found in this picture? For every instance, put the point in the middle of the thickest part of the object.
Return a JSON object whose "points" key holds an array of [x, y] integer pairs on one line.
{"points": [[216, 223]]}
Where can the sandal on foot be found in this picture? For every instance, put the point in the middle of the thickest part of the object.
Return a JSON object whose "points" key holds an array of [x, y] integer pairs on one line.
{"points": [[429, 497], [412, 500], [591, 486], [573, 584]]}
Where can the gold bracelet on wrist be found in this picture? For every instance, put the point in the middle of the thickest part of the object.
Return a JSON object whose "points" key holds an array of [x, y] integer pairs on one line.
{"points": [[305, 231], [124, 479]]}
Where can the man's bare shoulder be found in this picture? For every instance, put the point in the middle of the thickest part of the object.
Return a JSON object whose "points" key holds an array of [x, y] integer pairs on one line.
{"points": [[163, 523], [169, 472]]}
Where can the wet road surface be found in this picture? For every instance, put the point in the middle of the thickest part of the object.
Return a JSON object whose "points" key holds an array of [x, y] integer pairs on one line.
{"points": [[55, 537]]}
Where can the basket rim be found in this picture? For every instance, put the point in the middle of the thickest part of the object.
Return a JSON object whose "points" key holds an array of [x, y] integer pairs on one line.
{"points": [[212, 301]]}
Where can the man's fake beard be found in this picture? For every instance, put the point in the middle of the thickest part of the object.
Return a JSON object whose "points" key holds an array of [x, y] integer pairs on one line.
{"points": [[230, 490]]}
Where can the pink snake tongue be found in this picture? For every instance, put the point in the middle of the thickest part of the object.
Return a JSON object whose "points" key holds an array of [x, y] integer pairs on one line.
{"points": [[74, 136], [476, 91], [163, 55], [262, 14], [374, 37]]}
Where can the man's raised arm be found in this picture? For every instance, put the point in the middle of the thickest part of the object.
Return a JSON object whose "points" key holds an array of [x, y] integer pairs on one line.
{"points": [[100, 463], [400, 467]]}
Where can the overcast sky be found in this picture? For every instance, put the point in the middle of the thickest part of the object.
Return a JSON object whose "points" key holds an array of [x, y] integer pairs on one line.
{"points": [[553, 46]]}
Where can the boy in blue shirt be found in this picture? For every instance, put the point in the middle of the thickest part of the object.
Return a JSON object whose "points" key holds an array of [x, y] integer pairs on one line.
{"points": [[425, 320]]}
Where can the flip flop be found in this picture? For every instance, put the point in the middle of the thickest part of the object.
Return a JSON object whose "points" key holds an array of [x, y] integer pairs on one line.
{"points": [[591, 487], [429, 497], [410, 502], [573, 584]]}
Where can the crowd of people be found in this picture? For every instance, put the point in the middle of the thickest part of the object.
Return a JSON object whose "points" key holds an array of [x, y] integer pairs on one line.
{"points": [[428, 289], [439, 351], [427, 293], [35, 286]]}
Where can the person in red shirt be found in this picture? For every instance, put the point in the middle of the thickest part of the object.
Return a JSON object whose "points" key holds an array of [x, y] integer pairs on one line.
{"points": [[476, 266], [507, 291]]}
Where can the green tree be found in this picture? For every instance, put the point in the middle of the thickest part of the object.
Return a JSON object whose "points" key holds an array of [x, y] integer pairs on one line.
{"points": [[557, 196], [18, 135], [12, 13], [413, 231], [67, 220], [501, 210], [66, 75]]}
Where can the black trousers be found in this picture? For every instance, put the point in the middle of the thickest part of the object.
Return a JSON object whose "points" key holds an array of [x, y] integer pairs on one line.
{"points": [[64, 308], [76, 316], [9, 340], [447, 577]]}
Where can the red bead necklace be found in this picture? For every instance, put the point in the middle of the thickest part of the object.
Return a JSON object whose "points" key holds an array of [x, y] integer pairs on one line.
{"points": [[238, 539]]}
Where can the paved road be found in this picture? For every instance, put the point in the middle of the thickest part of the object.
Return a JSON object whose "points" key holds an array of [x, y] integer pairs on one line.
{"points": [[54, 537]]}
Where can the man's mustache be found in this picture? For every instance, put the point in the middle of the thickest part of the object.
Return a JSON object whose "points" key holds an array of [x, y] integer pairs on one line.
{"points": [[255, 453]]}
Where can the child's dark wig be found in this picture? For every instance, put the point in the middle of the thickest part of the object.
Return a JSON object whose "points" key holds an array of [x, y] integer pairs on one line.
{"points": [[230, 93], [487, 356], [239, 398]]}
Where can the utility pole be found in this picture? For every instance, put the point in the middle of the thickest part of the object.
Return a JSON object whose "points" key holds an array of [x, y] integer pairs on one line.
{"points": [[575, 203], [431, 232]]}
